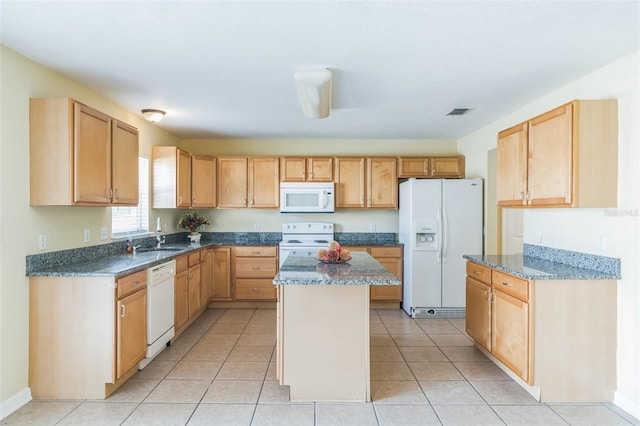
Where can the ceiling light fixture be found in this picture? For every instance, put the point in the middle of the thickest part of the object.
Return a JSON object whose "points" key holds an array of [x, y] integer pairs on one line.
{"points": [[314, 91], [153, 115]]}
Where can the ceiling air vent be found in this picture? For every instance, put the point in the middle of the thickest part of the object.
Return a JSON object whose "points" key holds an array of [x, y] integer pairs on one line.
{"points": [[458, 111]]}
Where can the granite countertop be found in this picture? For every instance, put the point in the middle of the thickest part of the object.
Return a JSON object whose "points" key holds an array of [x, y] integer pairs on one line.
{"points": [[362, 269], [538, 268], [118, 265]]}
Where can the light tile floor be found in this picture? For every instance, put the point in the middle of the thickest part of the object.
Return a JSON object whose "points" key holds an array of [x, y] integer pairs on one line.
{"points": [[221, 371]]}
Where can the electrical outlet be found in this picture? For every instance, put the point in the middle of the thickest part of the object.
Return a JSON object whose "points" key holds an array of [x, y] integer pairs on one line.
{"points": [[42, 242], [87, 235], [256, 226], [372, 227], [103, 234]]}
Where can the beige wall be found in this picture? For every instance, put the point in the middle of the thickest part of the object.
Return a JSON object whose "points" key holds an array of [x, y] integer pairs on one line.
{"points": [[582, 229], [21, 224]]}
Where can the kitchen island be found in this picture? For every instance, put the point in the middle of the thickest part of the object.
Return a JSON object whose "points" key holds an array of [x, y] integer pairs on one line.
{"points": [[323, 327]]}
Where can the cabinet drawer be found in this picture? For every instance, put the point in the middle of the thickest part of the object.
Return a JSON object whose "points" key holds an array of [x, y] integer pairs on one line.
{"points": [[131, 283], [255, 290], [256, 251], [182, 264], [386, 251], [479, 272], [517, 287], [194, 258], [256, 267]]}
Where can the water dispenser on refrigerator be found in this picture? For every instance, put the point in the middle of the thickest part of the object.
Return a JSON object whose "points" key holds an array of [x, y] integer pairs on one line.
{"points": [[427, 235]]}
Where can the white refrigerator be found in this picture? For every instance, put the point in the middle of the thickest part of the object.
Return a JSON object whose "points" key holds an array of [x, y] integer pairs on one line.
{"points": [[440, 220]]}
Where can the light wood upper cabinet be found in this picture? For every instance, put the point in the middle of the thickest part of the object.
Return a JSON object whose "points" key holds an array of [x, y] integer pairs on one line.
{"points": [[350, 182], [232, 182], [447, 167], [203, 181], [124, 159], [382, 183], [366, 182], [264, 182], [306, 169], [567, 157], [431, 167], [413, 167], [80, 156], [252, 182], [171, 177]]}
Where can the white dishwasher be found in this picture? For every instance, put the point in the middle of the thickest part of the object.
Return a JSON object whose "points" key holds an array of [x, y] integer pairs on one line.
{"points": [[160, 308]]}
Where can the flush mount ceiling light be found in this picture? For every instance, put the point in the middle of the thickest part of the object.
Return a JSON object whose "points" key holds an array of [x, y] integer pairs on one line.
{"points": [[153, 115], [314, 91]]}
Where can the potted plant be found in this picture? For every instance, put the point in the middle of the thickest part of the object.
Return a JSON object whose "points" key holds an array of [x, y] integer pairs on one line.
{"points": [[192, 222]]}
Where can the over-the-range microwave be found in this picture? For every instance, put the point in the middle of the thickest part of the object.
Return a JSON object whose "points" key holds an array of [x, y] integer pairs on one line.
{"points": [[306, 197]]}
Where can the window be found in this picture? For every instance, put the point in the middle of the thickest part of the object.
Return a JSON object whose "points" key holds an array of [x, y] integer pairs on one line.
{"points": [[133, 220]]}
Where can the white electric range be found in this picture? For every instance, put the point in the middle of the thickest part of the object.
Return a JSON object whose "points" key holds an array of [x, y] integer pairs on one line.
{"points": [[304, 239]]}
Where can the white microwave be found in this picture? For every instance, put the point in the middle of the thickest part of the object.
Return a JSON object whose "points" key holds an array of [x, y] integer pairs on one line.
{"points": [[306, 197]]}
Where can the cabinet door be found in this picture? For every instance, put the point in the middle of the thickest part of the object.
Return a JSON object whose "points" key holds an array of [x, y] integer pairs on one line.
{"points": [[181, 298], [512, 166], [382, 183], [232, 182], [203, 181], [478, 312], [390, 258], [417, 167], [293, 169], [131, 333], [350, 182], [264, 182], [206, 275], [183, 196], [221, 273], [550, 167], [320, 169], [124, 163], [91, 156], [447, 167], [389, 292], [195, 302], [510, 333]]}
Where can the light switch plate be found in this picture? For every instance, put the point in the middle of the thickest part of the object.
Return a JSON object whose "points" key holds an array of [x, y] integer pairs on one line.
{"points": [[103, 233], [87, 235], [42, 242]]}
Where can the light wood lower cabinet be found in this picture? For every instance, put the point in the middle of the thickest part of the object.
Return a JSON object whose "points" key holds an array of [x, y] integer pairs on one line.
{"points": [[253, 272], [558, 336], [391, 258], [181, 295], [221, 282], [86, 334]]}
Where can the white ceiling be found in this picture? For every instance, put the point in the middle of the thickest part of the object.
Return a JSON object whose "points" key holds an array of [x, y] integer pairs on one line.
{"points": [[226, 68]]}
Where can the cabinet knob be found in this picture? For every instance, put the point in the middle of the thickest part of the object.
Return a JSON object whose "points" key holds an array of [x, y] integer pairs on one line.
{"points": [[255, 268], [135, 282], [506, 284], [123, 310], [255, 289], [117, 194]]}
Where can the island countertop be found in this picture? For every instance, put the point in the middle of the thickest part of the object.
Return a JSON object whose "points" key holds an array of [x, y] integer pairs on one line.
{"points": [[362, 269]]}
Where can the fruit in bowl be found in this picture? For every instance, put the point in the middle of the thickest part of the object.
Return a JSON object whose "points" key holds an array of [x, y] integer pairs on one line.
{"points": [[333, 254]]}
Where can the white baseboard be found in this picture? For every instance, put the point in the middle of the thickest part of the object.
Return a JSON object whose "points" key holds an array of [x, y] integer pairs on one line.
{"points": [[14, 403], [627, 404]]}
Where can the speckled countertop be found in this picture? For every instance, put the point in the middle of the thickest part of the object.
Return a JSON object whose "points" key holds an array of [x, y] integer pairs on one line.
{"points": [[362, 269], [110, 259], [544, 263]]}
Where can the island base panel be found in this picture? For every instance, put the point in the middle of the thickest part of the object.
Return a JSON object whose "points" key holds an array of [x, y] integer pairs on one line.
{"points": [[324, 332]]}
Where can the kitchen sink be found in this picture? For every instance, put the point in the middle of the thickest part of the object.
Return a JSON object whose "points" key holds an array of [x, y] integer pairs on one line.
{"points": [[146, 249]]}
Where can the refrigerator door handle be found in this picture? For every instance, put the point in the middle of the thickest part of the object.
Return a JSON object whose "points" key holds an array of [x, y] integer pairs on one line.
{"points": [[445, 228], [440, 260]]}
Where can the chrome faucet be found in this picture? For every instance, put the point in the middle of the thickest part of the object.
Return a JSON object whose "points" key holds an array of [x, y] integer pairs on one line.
{"points": [[161, 239]]}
